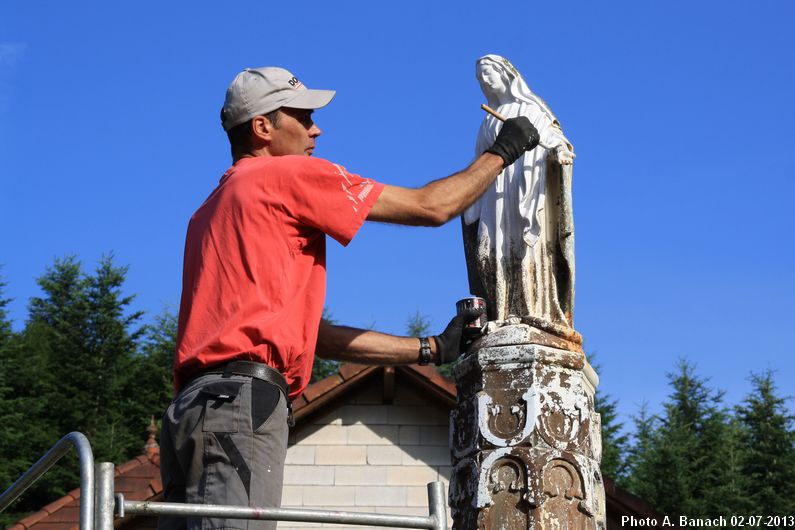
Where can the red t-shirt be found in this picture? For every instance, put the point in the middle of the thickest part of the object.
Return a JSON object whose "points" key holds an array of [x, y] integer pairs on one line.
{"points": [[254, 274]]}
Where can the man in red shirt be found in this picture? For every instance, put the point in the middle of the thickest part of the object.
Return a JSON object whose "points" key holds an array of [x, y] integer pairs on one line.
{"points": [[254, 286]]}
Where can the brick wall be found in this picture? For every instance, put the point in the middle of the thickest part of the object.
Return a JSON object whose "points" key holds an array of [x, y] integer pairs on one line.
{"points": [[365, 456]]}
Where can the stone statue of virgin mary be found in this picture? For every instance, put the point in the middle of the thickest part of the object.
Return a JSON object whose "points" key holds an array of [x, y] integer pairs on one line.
{"points": [[519, 236]]}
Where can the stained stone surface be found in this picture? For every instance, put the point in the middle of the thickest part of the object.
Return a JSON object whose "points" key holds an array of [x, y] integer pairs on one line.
{"points": [[526, 440]]}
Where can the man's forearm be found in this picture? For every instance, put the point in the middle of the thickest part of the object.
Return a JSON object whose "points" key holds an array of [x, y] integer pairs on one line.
{"points": [[439, 201], [454, 194], [363, 346]]}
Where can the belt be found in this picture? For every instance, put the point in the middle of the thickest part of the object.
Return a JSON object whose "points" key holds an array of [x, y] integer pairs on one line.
{"points": [[257, 371]]}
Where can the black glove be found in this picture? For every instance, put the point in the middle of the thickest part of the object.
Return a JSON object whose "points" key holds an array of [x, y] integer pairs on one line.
{"points": [[516, 136], [451, 342]]}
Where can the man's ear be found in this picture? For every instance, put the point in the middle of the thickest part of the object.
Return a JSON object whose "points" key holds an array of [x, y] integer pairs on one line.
{"points": [[261, 129]]}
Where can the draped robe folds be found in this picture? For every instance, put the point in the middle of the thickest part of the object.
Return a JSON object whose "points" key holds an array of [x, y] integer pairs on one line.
{"points": [[518, 237]]}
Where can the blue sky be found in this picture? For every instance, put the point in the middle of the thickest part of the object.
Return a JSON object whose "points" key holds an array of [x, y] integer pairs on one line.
{"points": [[681, 115]]}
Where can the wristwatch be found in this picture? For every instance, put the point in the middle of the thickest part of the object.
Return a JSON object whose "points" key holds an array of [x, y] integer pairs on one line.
{"points": [[425, 351]]}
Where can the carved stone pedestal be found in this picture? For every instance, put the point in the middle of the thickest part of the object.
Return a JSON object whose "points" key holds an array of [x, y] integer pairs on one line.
{"points": [[526, 441]]}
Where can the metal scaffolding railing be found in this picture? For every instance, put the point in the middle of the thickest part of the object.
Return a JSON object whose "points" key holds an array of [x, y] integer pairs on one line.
{"points": [[99, 503], [50, 458]]}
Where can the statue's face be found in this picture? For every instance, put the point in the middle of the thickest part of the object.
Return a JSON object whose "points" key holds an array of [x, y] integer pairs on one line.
{"points": [[490, 79]]}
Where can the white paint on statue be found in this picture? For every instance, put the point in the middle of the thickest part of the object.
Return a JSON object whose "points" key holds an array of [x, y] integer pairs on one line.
{"points": [[519, 235]]}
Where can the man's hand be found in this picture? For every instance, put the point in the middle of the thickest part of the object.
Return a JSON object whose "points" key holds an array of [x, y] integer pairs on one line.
{"points": [[451, 342], [516, 136]]}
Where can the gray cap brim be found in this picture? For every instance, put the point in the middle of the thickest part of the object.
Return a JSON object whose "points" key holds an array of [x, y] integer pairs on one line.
{"points": [[310, 99]]}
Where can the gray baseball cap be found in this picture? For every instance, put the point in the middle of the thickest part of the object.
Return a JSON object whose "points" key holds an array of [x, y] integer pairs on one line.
{"points": [[257, 91]]}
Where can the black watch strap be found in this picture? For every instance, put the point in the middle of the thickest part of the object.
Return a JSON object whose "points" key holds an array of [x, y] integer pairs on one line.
{"points": [[425, 351]]}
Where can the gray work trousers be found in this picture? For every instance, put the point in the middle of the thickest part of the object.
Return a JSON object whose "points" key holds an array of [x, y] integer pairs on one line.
{"points": [[224, 441]]}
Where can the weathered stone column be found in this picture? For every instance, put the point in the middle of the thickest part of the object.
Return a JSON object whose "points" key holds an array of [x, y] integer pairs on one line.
{"points": [[525, 439]]}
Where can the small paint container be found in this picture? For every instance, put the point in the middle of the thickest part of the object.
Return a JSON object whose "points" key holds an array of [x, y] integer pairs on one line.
{"points": [[472, 327]]}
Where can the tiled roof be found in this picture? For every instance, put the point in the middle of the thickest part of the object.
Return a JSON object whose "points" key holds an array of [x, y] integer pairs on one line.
{"points": [[350, 375], [325, 390]]}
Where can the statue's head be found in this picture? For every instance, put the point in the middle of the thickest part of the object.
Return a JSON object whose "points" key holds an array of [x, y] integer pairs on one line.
{"points": [[492, 80], [502, 83], [497, 77], [493, 77]]}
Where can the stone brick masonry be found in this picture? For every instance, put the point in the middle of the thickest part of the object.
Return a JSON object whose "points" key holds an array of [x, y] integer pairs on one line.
{"points": [[365, 456]]}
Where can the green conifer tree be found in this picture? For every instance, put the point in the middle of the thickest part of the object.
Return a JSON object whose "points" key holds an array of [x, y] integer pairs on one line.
{"points": [[720, 475], [418, 325], [158, 348], [73, 368], [684, 464], [730, 496], [8, 414], [91, 345], [641, 465], [615, 440], [25, 389], [151, 382], [769, 438], [111, 344], [5, 323]]}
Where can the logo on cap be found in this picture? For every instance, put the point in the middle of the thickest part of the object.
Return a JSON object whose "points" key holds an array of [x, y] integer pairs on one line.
{"points": [[294, 82]]}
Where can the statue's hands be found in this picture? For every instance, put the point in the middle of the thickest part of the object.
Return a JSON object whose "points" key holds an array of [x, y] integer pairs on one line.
{"points": [[516, 136], [564, 155], [452, 341]]}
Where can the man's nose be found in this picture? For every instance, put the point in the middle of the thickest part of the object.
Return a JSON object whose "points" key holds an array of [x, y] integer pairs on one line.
{"points": [[315, 131]]}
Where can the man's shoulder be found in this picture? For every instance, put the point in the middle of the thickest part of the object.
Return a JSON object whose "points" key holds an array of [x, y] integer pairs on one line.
{"points": [[304, 163], [288, 164]]}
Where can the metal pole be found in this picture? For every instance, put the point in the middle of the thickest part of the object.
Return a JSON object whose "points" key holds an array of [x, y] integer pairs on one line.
{"points": [[104, 496], [437, 505], [274, 514], [56, 452]]}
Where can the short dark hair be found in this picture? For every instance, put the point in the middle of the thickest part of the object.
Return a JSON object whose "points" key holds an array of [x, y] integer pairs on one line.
{"points": [[240, 135]]}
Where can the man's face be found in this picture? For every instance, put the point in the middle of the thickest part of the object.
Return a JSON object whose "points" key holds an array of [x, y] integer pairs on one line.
{"points": [[294, 134]]}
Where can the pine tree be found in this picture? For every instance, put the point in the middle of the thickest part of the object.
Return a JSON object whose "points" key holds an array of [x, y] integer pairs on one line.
{"points": [[615, 441], [641, 465], [158, 349], [678, 444], [5, 323], [25, 388], [111, 345], [91, 346], [8, 415], [731, 494], [686, 464], [417, 325], [724, 486], [151, 384], [770, 441]]}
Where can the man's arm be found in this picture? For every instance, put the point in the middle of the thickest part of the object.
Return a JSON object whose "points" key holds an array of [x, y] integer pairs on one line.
{"points": [[439, 201], [362, 346]]}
